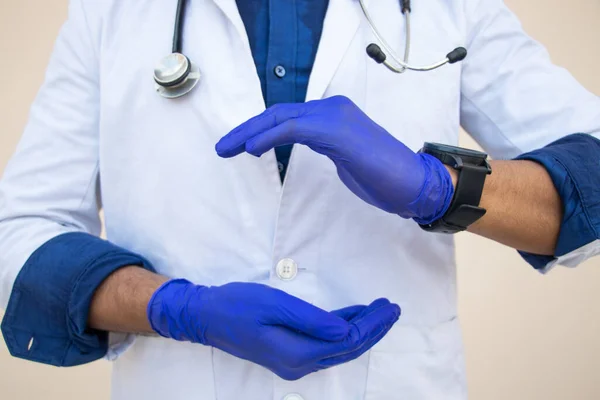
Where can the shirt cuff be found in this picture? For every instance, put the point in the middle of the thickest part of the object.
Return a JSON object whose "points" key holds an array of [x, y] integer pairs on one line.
{"points": [[46, 316], [573, 165]]}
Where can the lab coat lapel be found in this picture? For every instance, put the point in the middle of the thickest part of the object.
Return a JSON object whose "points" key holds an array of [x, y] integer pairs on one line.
{"points": [[267, 162], [340, 25], [230, 9]]}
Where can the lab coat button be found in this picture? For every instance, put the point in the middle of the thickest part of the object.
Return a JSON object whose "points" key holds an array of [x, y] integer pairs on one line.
{"points": [[279, 71], [286, 269], [293, 396]]}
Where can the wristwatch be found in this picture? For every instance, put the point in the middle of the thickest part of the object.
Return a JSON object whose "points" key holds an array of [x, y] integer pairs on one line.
{"points": [[472, 167]]}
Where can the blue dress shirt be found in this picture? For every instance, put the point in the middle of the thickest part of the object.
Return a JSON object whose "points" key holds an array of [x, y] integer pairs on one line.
{"points": [[284, 37], [52, 293]]}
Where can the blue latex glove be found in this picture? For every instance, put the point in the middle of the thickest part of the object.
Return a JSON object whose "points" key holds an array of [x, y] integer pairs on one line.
{"points": [[372, 163], [267, 326], [353, 314]]}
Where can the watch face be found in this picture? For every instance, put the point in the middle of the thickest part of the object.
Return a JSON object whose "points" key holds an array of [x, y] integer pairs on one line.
{"points": [[459, 151], [456, 156]]}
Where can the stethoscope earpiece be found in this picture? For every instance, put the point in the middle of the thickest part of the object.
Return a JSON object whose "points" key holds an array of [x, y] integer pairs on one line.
{"points": [[175, 75], [398, 65]]}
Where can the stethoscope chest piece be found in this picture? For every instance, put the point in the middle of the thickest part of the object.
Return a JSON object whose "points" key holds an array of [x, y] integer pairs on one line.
{"points": [[175, 76]]}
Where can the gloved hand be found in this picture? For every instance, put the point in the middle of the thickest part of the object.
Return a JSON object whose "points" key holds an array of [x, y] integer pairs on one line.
{"points": [[267, 326], [372, 163], [353, 314]]}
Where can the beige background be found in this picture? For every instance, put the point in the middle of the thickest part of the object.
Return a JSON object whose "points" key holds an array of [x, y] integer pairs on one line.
{"points": [[527, 336]]}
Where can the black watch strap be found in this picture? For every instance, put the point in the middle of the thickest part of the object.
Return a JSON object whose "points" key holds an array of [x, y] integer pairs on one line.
{"points": [[464, 209]]}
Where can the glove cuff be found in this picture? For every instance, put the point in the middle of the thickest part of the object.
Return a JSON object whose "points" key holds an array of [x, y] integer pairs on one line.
{"points": [[159, 311], [437, 191]]}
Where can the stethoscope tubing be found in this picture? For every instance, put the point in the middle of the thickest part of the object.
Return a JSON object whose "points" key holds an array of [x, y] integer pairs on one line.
{"points": [[404, 65], [178, 29]]}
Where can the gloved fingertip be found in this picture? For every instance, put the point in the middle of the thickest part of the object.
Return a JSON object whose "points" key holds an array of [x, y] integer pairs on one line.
{"points": [[220, 148], [382, 301], [375, 322], [337, 331], [375, 304], [394, 313], [224, 150]]}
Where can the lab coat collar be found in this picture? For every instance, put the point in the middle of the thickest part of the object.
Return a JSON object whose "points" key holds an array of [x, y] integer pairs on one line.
{"points": [[341, 22], [230, 9]]}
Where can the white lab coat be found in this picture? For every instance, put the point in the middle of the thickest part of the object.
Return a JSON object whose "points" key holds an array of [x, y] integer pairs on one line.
{"points": [[99, 136]]}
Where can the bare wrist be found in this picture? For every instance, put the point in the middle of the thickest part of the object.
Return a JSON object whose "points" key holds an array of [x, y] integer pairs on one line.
{"points": [[119, 304]]}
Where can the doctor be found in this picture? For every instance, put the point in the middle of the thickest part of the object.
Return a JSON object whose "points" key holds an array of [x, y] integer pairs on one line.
{"points": [[297, 252]]}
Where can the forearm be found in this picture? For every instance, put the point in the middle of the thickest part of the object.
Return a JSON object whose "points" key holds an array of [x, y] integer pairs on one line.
{"points": [[524, 210], [119, 304]]}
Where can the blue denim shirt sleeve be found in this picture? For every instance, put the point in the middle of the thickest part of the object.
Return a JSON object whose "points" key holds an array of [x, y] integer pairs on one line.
{"points": [[46, 316], [573, 163]]}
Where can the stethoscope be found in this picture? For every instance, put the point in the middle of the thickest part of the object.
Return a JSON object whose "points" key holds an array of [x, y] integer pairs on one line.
{"points": [[176, 75]]}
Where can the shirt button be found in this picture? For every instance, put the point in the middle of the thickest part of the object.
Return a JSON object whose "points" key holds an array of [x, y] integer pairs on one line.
{"points": [[280, 166], [279, 71], [293, 396], [286, 270]]}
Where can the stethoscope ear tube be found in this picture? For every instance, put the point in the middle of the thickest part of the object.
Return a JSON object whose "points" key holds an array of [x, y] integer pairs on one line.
{"points": [[377, 54]]}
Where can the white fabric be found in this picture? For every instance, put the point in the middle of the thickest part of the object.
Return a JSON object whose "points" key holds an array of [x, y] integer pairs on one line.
{"points": [[167, 196]]}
